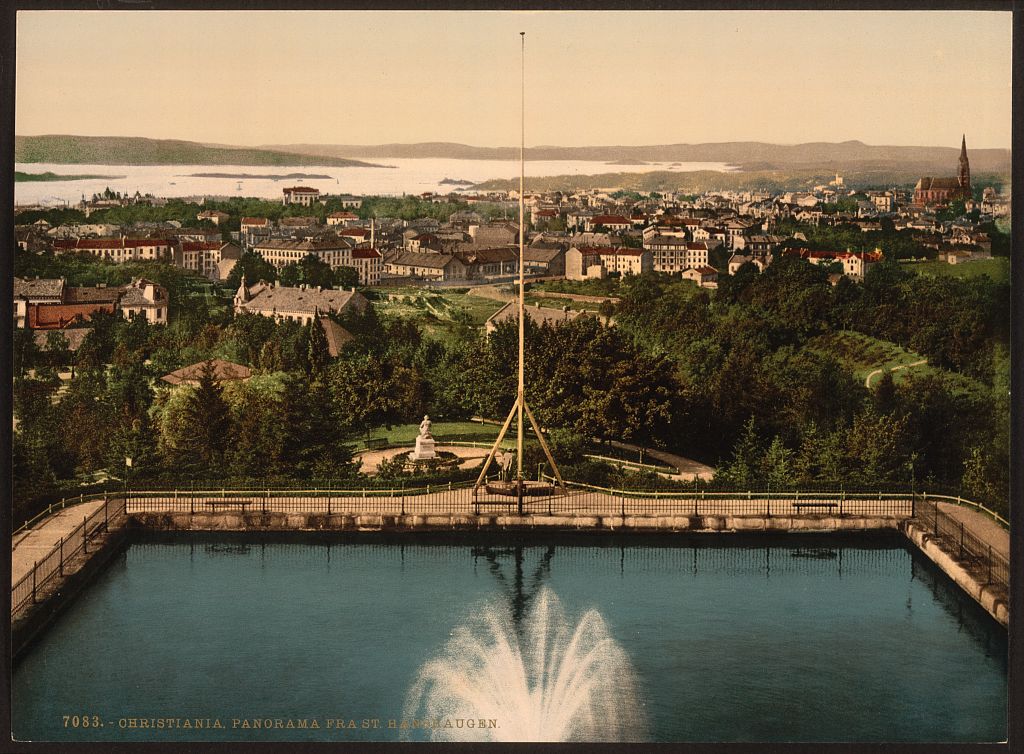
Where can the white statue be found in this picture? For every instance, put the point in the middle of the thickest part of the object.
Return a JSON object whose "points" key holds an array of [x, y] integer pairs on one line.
{"points": [[424, 442]]}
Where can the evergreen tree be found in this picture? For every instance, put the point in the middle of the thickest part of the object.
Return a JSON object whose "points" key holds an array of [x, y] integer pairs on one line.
{"points": [[885, 393], [777, 465], [204, 426], [746, 465], [317, 353]]}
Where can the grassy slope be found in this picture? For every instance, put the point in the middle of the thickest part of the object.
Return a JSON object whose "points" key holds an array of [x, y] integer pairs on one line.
{"points": [[124, 150], [435, 310], [997, 268], [861, 354], [558, 303]]}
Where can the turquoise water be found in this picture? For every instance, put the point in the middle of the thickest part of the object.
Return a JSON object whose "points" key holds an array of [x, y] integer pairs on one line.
{"points": [[733, 638]]}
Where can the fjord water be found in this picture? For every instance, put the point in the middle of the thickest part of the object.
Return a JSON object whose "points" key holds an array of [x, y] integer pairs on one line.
{"points": [[726, 639], [400, 176]]}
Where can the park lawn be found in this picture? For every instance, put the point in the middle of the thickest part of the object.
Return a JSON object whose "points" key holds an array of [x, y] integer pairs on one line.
{"points": [[464, 431], [433, 308], [606, 287], [862, 354], [559, 303], [997, 268]]}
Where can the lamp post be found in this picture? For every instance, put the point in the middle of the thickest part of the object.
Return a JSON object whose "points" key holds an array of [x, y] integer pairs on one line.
{"points": [[127, 469]]}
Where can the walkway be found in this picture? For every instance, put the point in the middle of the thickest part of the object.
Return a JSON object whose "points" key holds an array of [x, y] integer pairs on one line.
{"points": [[867, 380], [34, 544], [981, 526], [688, 468]]}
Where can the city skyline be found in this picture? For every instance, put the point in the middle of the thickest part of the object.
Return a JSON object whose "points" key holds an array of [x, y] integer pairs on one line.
{"points": [[403, 77]]}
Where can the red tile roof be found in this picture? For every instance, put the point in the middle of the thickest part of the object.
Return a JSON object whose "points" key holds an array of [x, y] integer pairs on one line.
{"points": [[59, 316], [365, 254]]}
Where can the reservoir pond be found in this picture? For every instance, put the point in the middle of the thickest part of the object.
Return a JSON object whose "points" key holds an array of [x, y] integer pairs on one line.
{"points": [[388, 638]]}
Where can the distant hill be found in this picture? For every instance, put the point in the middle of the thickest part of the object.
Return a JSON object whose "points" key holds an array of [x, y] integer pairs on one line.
{"points": [[695, 182], [748, 155], [131, 150]]}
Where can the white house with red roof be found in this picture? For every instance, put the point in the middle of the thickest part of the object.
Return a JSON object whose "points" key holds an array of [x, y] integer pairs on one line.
{"points": [[609, 222], [345, 219], [583, 262], [369, 263]]}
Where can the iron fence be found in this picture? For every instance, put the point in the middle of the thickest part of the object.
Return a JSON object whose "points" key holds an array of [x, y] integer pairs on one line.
{"points": [[987, 565], [575, 499], [30, 586]]}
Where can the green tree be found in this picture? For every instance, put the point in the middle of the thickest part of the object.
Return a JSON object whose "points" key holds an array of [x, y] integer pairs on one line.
{"points": [[746, 466], [346, 277], [777, 464], [254, 267], [317, 354], [57, 350], [196, 434]]}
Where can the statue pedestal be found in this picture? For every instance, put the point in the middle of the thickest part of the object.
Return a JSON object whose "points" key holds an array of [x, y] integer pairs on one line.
{"points": [[424, 449]]}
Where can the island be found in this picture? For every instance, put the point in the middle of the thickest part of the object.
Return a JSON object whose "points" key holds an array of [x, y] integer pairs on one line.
{"points": [[275, 177], [20, 177]]}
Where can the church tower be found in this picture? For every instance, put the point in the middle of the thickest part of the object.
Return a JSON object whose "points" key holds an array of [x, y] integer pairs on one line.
{"points": [[963, 176]]}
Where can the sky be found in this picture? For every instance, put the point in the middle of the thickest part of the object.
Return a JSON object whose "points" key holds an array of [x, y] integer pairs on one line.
{"points": [[592, 77]]}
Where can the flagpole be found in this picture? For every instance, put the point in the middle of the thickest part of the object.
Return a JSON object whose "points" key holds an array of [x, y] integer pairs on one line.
{"points": [[522, 230]]}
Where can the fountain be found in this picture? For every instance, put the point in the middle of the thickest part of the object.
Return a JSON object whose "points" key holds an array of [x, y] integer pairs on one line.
{"points": [[549, 681]]}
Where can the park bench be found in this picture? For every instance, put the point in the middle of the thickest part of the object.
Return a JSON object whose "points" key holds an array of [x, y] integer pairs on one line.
{"points": [[376, 444], [215, 503], [825, 506]]}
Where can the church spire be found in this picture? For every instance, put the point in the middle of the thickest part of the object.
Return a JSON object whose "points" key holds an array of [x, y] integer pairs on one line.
{"points": [[963, 175]]}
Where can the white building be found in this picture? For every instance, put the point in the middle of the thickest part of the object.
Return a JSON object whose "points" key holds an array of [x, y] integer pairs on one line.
{"points": [[304, 195], [675, 254], [205, 258], [369, 263], [598, 261], [118, 249], [144, 298]]}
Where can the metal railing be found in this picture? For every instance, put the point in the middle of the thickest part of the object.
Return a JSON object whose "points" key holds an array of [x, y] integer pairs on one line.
{"points": [[29, 587], [987, 565], [461, 498], [48, 511], [577, 499], [977, 506]]}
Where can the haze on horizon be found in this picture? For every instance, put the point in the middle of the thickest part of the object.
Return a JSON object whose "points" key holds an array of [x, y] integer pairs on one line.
{"points": [[914, 78]]}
